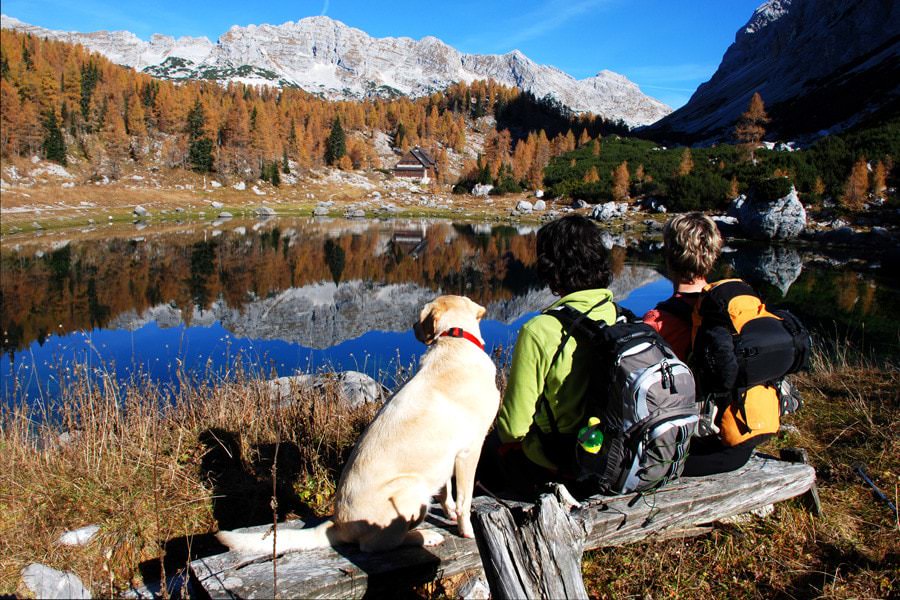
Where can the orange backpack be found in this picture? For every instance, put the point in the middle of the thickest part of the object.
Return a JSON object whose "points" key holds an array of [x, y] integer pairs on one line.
{"points": [[741, 351]]}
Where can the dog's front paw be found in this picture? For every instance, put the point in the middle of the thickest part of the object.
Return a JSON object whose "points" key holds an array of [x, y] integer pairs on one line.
{"points": [[465, 528], [449, 508]]}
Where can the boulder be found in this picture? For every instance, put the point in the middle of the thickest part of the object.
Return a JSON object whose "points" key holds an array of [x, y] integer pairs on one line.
{"points": [[538, 193], [579, 203], [355, 388], [781, 219], [320, 211], [240, 186], [140, 211], [482, 189], [608, 211], [540, 205], [216, 205], [264, 211], [225, 215], [44, 582], [524, 206], [355, 214]]}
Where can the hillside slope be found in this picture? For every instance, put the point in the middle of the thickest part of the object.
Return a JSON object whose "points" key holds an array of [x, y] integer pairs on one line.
{"points": [[818, 64]]}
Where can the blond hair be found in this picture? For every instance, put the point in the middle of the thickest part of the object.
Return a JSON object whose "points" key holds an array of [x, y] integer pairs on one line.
{"points": [[691, 244]]}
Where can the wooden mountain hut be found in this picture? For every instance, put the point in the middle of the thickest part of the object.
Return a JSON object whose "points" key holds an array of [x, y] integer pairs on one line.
{"points": [[416, 163]]}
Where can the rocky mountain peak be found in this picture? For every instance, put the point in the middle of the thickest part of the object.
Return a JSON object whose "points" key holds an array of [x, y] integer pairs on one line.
{"points": [[325, 56], [766, 13], [821, 66]]}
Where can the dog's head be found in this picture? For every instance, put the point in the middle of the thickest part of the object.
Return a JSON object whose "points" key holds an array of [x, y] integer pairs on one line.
{"points": [[445, 312]]}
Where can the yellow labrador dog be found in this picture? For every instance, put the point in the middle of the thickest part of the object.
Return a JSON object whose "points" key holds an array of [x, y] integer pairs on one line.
{"points": [[431, 430]]}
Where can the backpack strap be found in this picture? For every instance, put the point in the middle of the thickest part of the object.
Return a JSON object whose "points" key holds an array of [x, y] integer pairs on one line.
{"points": [[678, 308], [571, 319]]}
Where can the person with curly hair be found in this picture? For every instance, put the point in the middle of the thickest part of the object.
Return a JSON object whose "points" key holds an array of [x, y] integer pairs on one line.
{"points": [[545, 401]]}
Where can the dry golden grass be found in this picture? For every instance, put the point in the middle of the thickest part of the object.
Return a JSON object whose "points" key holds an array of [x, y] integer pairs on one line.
{"points": [[158, 476]]}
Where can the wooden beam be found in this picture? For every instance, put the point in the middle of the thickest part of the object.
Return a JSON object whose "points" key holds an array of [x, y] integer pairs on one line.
{"points": [[677, 509], [693, 501]]}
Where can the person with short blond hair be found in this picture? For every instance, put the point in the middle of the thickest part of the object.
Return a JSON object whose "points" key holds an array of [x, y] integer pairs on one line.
{"points": [[691, 245]]}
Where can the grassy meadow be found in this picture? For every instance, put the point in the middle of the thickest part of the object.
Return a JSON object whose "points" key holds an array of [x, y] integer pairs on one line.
{"points": [[159, 477]]}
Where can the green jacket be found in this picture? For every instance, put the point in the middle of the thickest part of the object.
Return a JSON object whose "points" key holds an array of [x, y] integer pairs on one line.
{"points": [[563, 384]]}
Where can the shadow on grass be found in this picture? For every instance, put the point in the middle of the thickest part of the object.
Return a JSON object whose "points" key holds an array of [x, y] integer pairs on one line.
{"points": [[241, 497]]}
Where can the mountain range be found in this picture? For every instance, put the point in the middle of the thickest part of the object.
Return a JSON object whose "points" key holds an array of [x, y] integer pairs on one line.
{"points": [[325, 56], [820, 66]]}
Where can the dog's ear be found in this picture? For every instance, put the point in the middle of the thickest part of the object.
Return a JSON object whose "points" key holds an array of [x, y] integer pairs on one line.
{"points": [[480, 311], [424, 329]]}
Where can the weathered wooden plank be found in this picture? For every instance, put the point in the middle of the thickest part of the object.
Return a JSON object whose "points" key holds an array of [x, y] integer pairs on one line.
{"points": [[346, 572], [694, 501], [528, 555], [533, 554]]}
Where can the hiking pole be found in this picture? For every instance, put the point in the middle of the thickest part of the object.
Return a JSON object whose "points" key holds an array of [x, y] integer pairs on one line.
{"points": [[860, 470]]}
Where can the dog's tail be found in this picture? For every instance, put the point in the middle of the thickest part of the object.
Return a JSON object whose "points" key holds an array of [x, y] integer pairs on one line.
{"points": [[286, 539]]}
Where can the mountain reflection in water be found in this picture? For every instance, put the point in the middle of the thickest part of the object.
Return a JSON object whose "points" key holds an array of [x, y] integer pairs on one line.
{"points": [[303, 294]]}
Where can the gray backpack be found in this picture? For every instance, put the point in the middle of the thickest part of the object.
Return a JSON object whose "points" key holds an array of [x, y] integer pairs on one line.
{"points": [[644, 398]]}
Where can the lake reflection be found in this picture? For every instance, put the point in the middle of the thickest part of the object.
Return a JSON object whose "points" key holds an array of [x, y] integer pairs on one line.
{"points": [[301, 295]]}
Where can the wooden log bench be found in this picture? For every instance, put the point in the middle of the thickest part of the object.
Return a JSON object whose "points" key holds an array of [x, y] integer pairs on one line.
{"points": [[545, 539]]}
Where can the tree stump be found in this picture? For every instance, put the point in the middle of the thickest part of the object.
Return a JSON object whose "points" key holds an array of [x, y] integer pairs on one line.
{"points": [[532, 552]]}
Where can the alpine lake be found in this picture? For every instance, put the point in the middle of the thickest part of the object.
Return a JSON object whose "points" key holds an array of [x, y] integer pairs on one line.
{"points": [[283, 296]]}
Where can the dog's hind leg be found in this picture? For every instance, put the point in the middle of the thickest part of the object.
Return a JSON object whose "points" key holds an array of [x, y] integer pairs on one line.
{"points": [[398, 534]]}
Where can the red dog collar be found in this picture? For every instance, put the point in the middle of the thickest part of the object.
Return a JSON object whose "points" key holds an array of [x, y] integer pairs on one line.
{"points": [[457, 332]]}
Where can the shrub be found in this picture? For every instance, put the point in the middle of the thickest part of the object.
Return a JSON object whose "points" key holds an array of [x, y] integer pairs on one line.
{"points": [[770, 190], [701, 190]]}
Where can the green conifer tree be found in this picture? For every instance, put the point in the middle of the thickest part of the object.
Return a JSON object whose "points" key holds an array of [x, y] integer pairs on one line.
{"points": [[399, 135], [200, 148], [54, 145], [336, 145]]}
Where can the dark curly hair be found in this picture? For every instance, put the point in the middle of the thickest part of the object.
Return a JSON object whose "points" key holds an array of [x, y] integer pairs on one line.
{"points": [[571, 256]]}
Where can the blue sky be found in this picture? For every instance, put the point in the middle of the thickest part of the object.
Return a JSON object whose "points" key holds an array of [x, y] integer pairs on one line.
{"points": [[668, 47]]}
